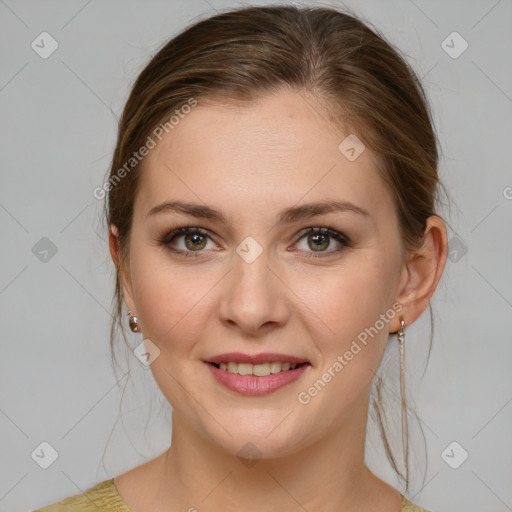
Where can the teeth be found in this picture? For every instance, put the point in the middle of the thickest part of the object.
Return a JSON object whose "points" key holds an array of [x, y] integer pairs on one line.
{"points": [[260, 370], [275, 367]]}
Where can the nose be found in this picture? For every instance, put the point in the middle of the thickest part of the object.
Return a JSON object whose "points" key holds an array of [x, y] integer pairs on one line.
{"points": [[253, 298]]}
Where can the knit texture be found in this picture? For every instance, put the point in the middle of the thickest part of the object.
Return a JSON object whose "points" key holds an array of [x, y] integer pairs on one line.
{"points": [[105, 498]]}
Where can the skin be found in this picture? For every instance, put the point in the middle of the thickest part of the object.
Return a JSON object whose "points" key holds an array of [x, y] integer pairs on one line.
{"points": [[250, 163]]}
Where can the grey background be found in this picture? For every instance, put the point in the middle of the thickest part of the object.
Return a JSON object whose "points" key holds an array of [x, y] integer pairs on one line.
{"points": [[58, 127]]}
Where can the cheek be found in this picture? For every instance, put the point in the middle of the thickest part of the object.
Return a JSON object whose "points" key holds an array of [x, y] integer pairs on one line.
{"points": [[172, 305], [169, 308], [172, 301], [349, 301], [154, 296]]}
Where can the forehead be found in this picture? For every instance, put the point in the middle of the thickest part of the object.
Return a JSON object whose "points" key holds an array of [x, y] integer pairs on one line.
{"points": [[276, 150]]}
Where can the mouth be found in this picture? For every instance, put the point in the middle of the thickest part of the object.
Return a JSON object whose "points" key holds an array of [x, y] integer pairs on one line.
{"points": [[258, 378], [258, 370]]}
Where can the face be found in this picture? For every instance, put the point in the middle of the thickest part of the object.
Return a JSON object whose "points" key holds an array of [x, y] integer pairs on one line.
{"points": [[263, 270]]}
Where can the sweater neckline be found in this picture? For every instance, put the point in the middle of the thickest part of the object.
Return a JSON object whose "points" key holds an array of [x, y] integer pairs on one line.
{"points": [[123, 507]]}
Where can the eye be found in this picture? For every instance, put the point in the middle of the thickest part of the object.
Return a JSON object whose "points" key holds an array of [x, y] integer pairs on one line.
{"points": [[192, 240], [320, 239]]}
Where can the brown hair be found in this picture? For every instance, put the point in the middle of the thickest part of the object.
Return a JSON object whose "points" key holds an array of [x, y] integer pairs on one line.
{"points": [[364, 85]]}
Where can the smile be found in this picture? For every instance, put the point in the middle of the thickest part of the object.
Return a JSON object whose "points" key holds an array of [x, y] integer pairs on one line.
{"points": [[258, 379], [258, 370]]}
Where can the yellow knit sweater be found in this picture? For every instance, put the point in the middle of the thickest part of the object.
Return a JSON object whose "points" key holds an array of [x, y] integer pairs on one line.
{"points": [[105, 498]]}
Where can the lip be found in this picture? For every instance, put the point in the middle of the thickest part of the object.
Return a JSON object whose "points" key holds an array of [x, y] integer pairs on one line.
{"points": [[265, 357], [251, 385]]}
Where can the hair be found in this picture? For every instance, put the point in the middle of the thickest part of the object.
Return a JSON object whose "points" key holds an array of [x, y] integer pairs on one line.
{"points": [[360, 81]]}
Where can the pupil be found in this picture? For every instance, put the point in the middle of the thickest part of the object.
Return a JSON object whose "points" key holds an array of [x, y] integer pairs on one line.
{"points": [[319, 240], [196, 239]]}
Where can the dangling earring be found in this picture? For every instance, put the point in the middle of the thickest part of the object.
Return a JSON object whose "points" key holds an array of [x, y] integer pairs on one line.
{"points": [[133, 322], [401, 347]]}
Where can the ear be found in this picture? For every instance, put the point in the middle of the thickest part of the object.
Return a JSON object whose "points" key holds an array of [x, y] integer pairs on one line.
{"points": [[123, 268], [421, 273]]}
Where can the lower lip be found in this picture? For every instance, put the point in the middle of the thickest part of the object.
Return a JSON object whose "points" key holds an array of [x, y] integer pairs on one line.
{"points": [[254, 386]]}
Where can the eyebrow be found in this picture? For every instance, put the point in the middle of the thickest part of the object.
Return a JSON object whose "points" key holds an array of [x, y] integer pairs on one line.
{"points": [[287, 216]]}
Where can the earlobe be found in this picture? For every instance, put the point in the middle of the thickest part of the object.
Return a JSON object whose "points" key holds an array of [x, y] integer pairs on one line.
{"points": [[423, 272]]}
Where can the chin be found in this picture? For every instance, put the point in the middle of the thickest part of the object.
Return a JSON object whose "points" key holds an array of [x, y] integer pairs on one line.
{"points": [[265, 442]]}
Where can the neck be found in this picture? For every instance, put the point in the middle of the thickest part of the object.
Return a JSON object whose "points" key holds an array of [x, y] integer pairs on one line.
{"points": [[329, 474]]}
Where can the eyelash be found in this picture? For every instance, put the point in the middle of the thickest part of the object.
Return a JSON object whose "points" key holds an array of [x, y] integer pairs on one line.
{"points": [[327, 230]]}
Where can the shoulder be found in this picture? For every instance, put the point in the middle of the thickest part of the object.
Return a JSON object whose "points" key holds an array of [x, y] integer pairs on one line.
{"points": [[102, 496], [408, 506]]}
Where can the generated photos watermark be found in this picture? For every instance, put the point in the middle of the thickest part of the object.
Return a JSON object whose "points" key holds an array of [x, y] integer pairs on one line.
{"points": [[143, 151], [305, 397]]}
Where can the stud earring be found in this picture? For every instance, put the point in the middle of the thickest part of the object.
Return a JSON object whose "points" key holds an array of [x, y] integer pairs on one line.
{"points": [[133, 322]]}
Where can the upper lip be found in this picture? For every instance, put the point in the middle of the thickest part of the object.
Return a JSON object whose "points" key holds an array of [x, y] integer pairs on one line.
{"points": [[265, 357]]}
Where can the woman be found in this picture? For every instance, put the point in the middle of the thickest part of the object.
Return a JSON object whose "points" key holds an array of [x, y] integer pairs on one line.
{"points": [[271, 213]]}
